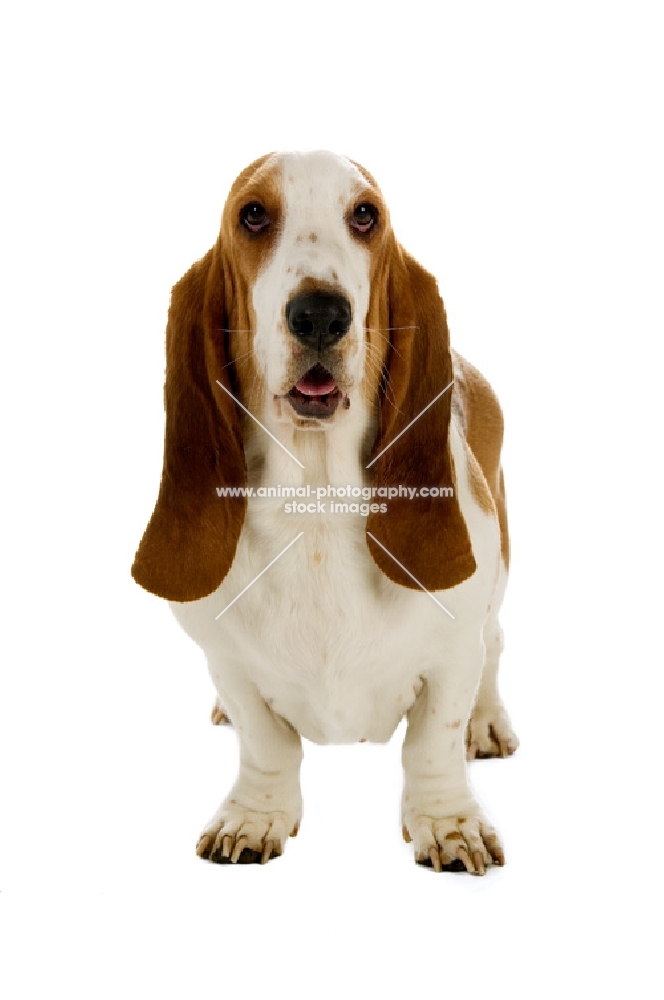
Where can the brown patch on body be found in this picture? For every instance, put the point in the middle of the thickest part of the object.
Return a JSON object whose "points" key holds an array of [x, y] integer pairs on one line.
{"points": [[313, 237], [481, 418], [479, 486], [453, 725]]}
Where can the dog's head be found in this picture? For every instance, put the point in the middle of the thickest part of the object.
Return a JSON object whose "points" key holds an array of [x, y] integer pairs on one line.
{"points": [[305, 309], [304, 236]]}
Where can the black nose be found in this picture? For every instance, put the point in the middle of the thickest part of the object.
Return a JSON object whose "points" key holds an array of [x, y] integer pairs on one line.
{"points": [[318, 319]]}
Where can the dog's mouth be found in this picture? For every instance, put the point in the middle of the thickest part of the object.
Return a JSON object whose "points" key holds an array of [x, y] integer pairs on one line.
{"points": [[316, 394]]}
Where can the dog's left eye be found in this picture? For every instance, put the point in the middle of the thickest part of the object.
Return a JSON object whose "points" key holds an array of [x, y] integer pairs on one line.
{"points": [[254, 217], [364, 218]]}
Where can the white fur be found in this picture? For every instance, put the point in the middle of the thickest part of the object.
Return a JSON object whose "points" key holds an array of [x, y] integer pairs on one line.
{"points": [[318, 189], [323, 645]]}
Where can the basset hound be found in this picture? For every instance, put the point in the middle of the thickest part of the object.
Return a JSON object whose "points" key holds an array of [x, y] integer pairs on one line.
{"points": [[330, 527]]}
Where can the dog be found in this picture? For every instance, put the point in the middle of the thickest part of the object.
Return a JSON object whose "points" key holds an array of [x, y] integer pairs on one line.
{"points": [[330, 527]]}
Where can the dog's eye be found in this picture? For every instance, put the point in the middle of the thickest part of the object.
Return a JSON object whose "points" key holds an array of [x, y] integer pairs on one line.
{"points": [[364, 218], [254, 217]]}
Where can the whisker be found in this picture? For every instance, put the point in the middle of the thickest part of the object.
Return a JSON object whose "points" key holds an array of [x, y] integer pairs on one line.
{"points": [[382, 371], [387, 342], [389, 393]]}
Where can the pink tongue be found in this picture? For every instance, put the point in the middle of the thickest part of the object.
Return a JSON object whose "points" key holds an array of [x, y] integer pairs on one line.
{"points": [[309, 386]]}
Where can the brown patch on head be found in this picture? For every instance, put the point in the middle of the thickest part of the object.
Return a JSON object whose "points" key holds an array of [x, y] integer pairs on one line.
{"points": [[189, 543], [246, 251], [246, 254]]}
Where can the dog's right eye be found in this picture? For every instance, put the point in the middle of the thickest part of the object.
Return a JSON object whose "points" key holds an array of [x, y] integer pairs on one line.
{"points": [[254, 217]]}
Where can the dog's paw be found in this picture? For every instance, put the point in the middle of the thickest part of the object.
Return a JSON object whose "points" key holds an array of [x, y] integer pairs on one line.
{"points": [[490, 734], [242, 836], [454, 843], [219, 716]]}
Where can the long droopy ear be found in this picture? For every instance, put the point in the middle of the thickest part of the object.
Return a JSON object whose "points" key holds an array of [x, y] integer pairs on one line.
{"points": [[427, 535], [190, 541]]}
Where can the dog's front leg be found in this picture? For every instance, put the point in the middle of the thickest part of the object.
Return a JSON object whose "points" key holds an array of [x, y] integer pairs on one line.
{"points": [[439, 811], [264, 806]]}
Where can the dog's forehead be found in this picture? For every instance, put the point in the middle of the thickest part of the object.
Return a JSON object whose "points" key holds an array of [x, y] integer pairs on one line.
{"points": [[320, 178]]}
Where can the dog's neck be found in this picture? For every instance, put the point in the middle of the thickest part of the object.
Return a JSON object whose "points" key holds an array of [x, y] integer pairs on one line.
{"points": [[337, 456]]}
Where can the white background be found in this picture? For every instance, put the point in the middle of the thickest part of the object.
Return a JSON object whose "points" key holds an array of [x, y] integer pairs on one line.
{"points": [[519, 147]]}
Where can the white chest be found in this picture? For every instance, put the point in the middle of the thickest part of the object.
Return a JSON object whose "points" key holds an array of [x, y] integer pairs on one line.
{"points": [[333, 647]]}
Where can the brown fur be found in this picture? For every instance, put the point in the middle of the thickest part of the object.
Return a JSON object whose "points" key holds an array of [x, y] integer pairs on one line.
{"points": [[190, 540], [189, 544], [428, 535], [482, 421]]}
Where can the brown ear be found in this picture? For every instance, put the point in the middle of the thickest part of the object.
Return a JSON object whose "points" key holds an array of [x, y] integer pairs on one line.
{"points": [[427, 535], [190, 541]]}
